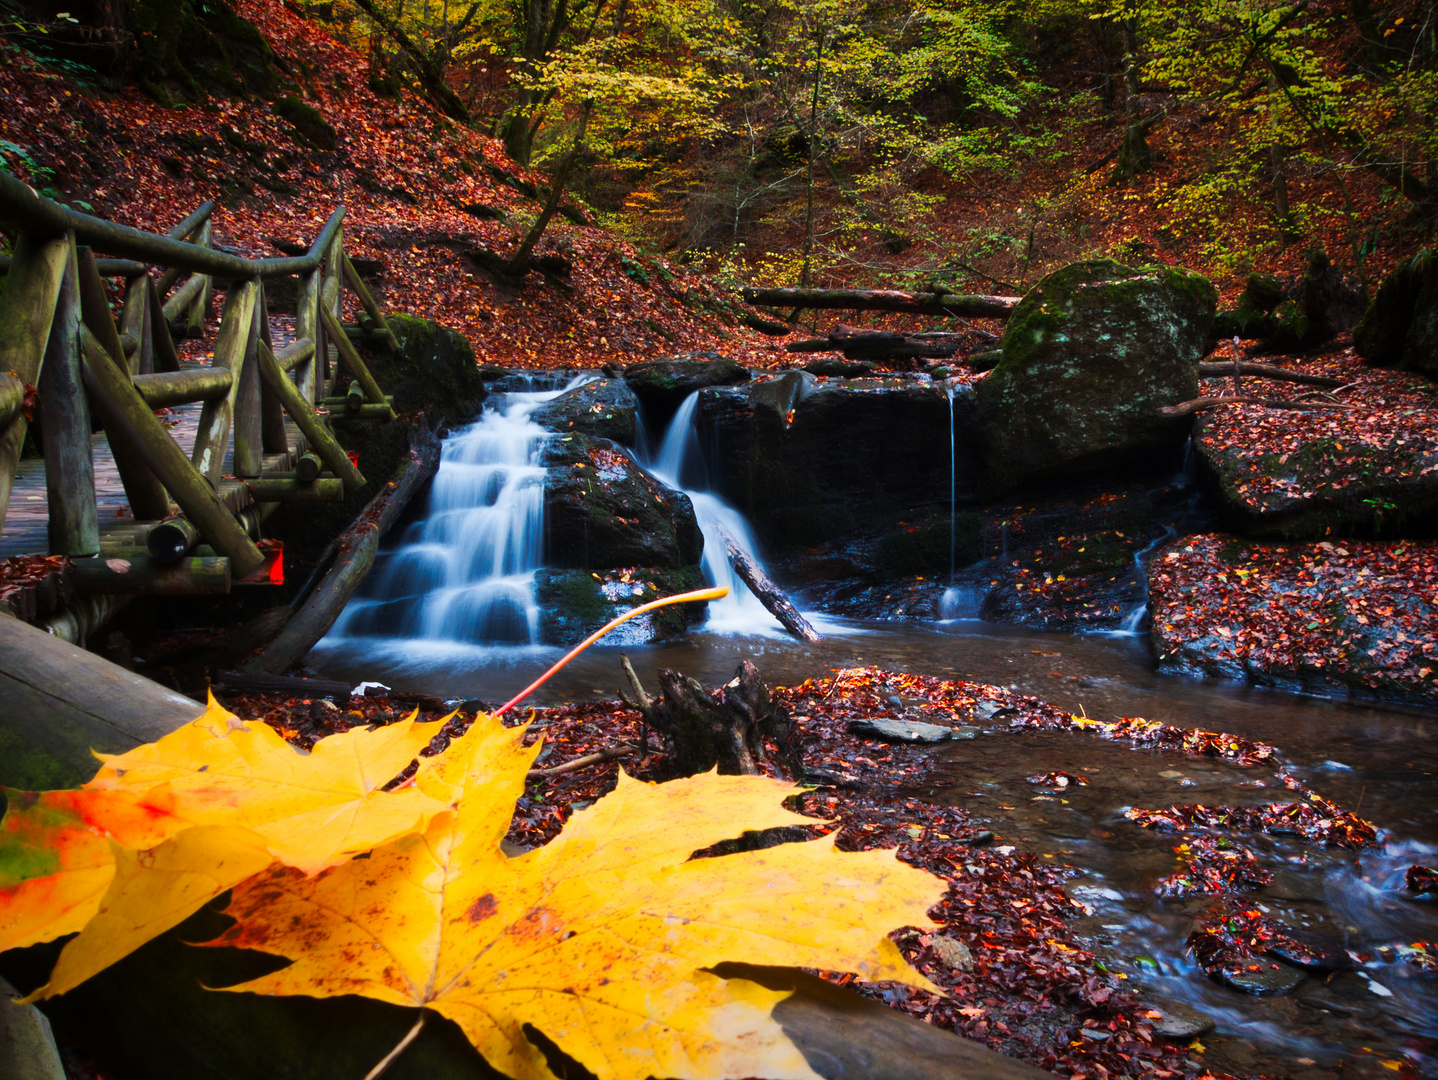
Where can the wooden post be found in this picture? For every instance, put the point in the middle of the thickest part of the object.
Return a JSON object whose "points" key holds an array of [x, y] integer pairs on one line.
{"points": [[200, 308], [272, 413], [171, 539], [307, 326], [352, 360], [179, 387], [230, 347], [371, 308], [329, 292], [292, 489], [12, 400], [69, 463], [123, 409], [27, 307], [134, 320], [184, 297], [166, 358], [249, 454], [309, 467], [294, 354], [316, 434], [147, 496], [149, 576]]}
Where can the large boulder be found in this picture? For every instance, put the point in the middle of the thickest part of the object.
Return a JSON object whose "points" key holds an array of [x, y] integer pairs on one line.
{"points": [[1324, 304], [1090, 356], [809, 459], [604, 512], [662, 385], [434, 367], [575, 603], [605, 408], [1400, 327]]}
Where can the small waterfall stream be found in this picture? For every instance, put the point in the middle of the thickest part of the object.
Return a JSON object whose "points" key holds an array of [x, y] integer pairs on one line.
{"points": [[464, 573]]}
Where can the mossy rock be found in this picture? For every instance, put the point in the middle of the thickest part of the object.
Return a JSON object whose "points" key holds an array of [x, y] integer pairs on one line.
{"points": [[307, 120], [434, 368], [1400, 327], [1252, 317], [604, 408], [1090, 355], [605, 512], [662, 385], [575, 603], [929, 547], [199, 49], [1324, 305]]}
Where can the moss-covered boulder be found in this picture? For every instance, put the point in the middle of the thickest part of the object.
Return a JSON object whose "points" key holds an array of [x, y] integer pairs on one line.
{"points": [[605, 408], [1252, 316], [307, 120], [1400, 327], [434, 368], [662, 385], [1090, 356], [575, 603], [605, 512], [1324, 304]]}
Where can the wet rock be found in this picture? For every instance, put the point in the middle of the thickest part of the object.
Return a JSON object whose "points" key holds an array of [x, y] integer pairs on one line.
{"points": [[810, 460], [604, 511], [1260, 978], [989, 710], [1400, 327], [1175, 1020], [841, 369], [605, 408], [952, 952], [1090, 356], [1325, 305], [575, 603], [662, 385], [1252, 316], [1310, 951], [895, 730], [434, 367]]}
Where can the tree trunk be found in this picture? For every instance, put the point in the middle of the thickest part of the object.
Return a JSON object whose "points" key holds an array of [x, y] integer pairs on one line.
{"points": [[430, 77], [768, 593], [1133, 155], [730, 728], [923, 303]]}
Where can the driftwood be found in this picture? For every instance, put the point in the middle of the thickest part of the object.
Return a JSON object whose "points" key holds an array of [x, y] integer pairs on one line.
{"points": [[348, 560], [922, 303], [1263, 371], [1188, 408], [768, 593], [858, 344], [728, 728]]}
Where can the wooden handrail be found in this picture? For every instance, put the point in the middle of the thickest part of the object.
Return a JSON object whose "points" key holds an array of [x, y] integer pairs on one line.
{"points": [[23, 209]]}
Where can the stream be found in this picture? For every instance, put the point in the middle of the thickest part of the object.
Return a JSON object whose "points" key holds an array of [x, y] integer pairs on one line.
{"points": [[1376, 1019]]}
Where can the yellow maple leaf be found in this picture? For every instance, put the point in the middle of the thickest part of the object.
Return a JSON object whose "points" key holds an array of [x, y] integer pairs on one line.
{"points": [[598, 938], [311, 810]]}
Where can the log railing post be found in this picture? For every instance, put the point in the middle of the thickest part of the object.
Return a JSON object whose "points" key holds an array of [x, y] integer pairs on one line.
{"points": [[69, 463], [200, 306], [272, 413], [354, 362], [249, 455], [230, 348], [368, 302], [148, 500], [310, 377], [166, 358], [27, 308], [123, 409], [321, 440], [134, 319]]}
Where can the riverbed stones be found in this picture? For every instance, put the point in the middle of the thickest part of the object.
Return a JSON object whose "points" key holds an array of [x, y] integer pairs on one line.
{"points": [[604, 408], [662, 385], [1175, 1020], [892, 729], [952, 952], [604, 511], [575, 603], [1261, 978], [433, 368], [1089, 357]]}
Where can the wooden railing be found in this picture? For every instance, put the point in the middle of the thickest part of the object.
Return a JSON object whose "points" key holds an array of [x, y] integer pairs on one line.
{"points": [[57, 336]]}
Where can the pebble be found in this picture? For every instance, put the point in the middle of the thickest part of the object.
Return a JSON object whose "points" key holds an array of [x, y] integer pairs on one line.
{"points": [[952, 952], [1268, 980], [1178, 1021], [1319, 953], [911, 731]]}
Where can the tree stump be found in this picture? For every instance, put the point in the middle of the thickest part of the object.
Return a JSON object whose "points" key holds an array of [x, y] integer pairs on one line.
{"points": [[737, 727]]}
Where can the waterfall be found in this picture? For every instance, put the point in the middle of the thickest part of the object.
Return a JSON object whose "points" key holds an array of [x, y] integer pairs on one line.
{"points": [[465, 572], [679, 463]]}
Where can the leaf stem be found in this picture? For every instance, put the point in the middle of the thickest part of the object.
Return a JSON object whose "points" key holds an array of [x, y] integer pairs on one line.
{"points": [[389, 1058], [714, 593]]}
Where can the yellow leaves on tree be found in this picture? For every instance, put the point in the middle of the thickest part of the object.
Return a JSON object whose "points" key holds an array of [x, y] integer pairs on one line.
{"points": [[58, 849], [599, 938]]}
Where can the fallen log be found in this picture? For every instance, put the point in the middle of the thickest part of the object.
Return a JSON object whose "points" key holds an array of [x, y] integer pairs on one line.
{"points": [[768, 593], [1202, 404], [1263, 371], [288, 685], [347, 560], [922, 303], [859, 344]]}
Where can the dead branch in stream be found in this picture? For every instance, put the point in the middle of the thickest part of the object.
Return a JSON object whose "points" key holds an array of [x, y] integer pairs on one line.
{"points": [[1202, 404]]}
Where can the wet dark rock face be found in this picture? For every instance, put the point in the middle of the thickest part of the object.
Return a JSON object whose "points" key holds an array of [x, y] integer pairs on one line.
{"points": [[662, 385], [434, 367], [604, 511], [605, 409], [1400, 327], [575, 603], [1089, 357], [809, 459]]}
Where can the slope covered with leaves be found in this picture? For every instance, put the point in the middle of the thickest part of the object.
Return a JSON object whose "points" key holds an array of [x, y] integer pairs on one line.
{"points": [[421, 194]]}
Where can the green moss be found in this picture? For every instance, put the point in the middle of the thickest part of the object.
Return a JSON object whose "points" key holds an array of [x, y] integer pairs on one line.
{"points": [[927, 548], [306, 120]]}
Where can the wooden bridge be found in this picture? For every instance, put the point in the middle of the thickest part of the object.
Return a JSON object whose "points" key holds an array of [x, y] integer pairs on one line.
{"points": [[252, 429]]}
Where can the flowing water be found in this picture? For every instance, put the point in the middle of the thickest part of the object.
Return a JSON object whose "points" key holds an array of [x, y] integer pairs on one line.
{"points": [[448, 610]]}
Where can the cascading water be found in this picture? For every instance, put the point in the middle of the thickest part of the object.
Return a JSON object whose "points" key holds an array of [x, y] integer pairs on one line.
{"points": [[464, 574], [679, 461]]}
